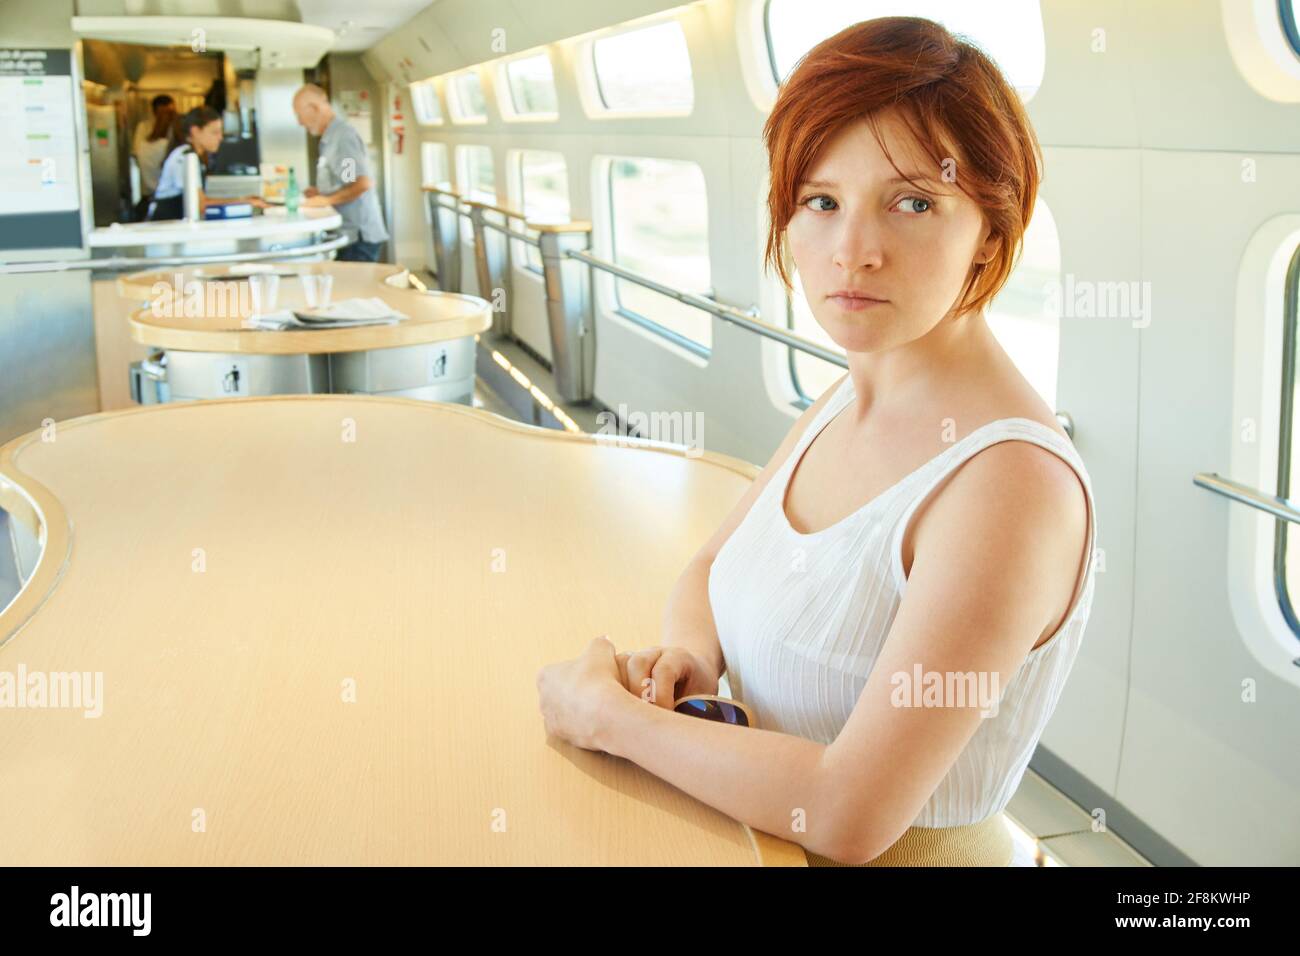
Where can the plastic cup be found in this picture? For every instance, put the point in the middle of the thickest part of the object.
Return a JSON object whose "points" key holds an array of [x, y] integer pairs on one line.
{"points": [[316, 288], [264, 289]]}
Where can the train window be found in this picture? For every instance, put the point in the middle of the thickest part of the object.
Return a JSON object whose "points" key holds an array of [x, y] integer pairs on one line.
{"points": [[1289, 12], [468, 105], [424, 96], [1010, 31], [475, 173], [660, 228], [1286, 544], [1022, 318], [433, 164], [532, 87], [543, 195], [645, 70], [811, 376], [1025, 316]]}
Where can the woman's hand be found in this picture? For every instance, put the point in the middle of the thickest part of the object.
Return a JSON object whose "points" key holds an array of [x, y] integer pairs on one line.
{"points": [[256, 201], [311, 191], [577, 696], [663, 675]]}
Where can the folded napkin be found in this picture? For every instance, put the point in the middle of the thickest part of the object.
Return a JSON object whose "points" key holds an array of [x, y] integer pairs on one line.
{"points": [[339, 315], [350, 311]]}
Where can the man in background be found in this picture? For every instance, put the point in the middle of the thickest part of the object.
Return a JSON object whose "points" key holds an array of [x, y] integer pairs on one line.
{"points": [[343, 177]]}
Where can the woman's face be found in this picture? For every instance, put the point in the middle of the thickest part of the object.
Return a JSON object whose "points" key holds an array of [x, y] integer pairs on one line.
{"points": [[859, 226], [207, 138]]}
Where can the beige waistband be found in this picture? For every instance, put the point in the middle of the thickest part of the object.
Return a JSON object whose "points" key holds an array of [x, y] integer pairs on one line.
{"points": [[986, 843]]}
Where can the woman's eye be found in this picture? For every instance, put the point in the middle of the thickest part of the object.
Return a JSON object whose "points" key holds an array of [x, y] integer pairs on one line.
{"points": [[919, 204], [814, 198]]}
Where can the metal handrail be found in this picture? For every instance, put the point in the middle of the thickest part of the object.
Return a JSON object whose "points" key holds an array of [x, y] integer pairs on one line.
{"points": [[513, 233], [123, 264], [745, 319], [1259, 500]]}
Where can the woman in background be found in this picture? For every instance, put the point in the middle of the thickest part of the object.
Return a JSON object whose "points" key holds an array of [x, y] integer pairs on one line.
{"points": [[153, 139], [202, 131]]}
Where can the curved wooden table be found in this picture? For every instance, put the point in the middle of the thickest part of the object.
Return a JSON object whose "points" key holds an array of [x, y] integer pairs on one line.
{"points": [[217, 327], [434, 563]]}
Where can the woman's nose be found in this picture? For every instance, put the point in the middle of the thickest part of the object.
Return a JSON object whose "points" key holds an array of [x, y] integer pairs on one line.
{"points": [[859, 243]]}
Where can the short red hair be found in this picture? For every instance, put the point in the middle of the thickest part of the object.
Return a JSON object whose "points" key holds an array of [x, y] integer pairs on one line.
{"points": [[952, 98]]}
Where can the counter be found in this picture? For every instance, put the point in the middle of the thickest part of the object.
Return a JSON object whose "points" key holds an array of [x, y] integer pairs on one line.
{"points": [[319, 621], [270, 225]]}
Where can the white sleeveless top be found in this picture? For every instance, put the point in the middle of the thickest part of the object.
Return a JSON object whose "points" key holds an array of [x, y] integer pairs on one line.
{"points": [[802, 617]]}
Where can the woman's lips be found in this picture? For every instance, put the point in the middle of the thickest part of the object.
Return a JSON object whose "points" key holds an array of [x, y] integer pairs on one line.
{"points": [[856, 303]]}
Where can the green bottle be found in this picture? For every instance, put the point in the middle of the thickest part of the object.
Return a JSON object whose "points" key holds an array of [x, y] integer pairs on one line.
{"points": [[291, 194]]}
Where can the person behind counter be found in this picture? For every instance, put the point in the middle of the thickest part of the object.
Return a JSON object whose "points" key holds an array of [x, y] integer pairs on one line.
{"points": [[343, 177], [151, 144], [202, 131]]}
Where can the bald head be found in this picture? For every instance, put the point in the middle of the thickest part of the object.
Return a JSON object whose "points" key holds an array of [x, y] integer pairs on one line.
{"points": [[311, 105]]}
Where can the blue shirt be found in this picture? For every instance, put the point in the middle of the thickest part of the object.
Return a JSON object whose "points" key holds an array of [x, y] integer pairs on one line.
{"points": [[171, 181], [343, 161]]}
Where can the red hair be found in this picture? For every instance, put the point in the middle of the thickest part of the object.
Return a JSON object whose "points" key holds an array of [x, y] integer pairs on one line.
{"points": [[952, 98]]}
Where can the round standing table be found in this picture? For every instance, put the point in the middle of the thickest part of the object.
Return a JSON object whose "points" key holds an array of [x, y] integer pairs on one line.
{"points": [[319, 621], [196, 315]]}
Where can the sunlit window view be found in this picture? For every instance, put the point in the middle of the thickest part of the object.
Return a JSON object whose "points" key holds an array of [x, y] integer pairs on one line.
{"points": [[660, 229], [424, 97], [1023, 317], [532, 86], [543, 195], [1010, 31], [433, 164], [647, 70], [467, 101], [811, 375], [475, 173]]}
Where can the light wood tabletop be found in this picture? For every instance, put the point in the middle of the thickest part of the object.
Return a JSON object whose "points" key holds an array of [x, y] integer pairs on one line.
{"points": [[319, 621], [202, 309]]}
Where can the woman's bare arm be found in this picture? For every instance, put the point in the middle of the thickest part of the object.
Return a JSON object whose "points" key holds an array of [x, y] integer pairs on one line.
{"points": [[688, 616], [1001, 547]]}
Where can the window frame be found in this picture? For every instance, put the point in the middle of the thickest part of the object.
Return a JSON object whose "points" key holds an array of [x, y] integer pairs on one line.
{"points": [[1290, 317], [432, 87], [513, 113], [464, 180], [777, 79], [1286, 13], [602, 103], [518, 175], [698, 349], [455, 103], [434, 146]]}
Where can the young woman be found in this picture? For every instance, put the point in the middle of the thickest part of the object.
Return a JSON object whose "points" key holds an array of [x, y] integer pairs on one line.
{"points": [[153, 142], [202, 131], [925, 518]]}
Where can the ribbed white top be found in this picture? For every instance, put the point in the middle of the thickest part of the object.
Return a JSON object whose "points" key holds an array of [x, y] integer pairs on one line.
{"points": [[802, 617]]}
